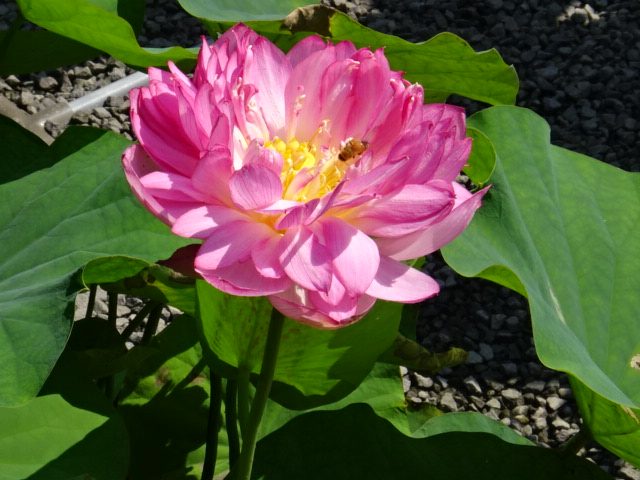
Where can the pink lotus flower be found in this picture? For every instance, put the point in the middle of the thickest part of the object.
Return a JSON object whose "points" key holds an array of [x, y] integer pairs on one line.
{"points": [[310, 176]]}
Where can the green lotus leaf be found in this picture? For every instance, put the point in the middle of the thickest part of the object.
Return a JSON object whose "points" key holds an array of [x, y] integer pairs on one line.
{"points": [[563, 229], [52, 222]]}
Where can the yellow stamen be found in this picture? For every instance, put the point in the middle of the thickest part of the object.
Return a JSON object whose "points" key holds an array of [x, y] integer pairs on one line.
{"points": [[306, 159]]}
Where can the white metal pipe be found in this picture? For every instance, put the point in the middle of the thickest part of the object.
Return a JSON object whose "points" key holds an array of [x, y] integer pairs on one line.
{"points": [[61, 112], [119, 87]]}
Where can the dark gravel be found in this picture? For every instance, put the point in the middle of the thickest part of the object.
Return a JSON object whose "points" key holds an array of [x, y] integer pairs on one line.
{"points": [[578, 66]]}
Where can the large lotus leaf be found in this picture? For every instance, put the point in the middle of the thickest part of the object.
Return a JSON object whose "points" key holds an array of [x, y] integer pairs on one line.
{"points": [[165, 406], [314, 367], [37, 50], [71, 431], [242, 10], [355, 443], [52, 222], [566, 227], [25, 51], [382, 390], [443, 65], [100, 25]]}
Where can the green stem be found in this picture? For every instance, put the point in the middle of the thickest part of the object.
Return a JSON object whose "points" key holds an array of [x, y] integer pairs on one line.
{"points": [[244, 402], [578, 441], [250, 436], [213, 426], [152, 324], [91, 302], [138, 319], [231, 420], [112, 316]]}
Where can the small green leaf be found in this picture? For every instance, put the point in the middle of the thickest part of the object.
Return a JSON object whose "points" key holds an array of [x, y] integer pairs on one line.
{"points": [[414, 356], [482, 159], [135, 277]]}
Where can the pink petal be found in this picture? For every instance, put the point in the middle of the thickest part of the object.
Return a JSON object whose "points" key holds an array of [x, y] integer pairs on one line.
{"points": [[230, 243], [335, 294], [398, 282], [303, 94], [212, 175], [138, 164], [295, 303], [305, 48], [309, 212], [257, 153], [411, 208], [435, 236], [243, 279], [171, 186], [155, 121], [305, 260], [255, 186], [337, 95], [370, 90], [200, 222], [339, 312], [402, 112], [265, 257], [268, 70], [454, 157], [355, 255]]}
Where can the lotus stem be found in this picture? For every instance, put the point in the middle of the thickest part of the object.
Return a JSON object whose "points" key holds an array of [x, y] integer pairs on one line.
{"points": [[112, 316], [213, 426], [91, 302], [138, 319], [231, 420], [250, 436], [152, 324], [578, 441], [244, 402]]}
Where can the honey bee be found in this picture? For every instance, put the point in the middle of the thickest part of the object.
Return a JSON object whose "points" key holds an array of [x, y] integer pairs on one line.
{"points": [[352, 148]]}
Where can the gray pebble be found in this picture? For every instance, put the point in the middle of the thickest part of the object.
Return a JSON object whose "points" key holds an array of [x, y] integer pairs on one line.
{"points": [[561, 424], [486, 351], [26, 98], [447, 401], [423, 382], [474, 358], [511, 394], [510, 369], [554, 403], [535, 386], [82, 72], [473, 385], [47, 83]]}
